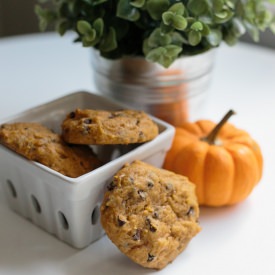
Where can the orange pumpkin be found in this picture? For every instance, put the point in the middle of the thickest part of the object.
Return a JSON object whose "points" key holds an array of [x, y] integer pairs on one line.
{"points": [[224, 162]]}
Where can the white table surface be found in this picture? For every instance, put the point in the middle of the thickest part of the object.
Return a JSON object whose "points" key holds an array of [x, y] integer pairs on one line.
{"points": [[234, 240]]}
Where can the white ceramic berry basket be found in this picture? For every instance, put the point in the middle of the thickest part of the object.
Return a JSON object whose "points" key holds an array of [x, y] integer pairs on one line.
{"points": [[69, 207]]}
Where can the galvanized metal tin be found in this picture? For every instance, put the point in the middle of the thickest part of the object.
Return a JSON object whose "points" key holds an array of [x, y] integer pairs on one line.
{"points": [[176, 94]]}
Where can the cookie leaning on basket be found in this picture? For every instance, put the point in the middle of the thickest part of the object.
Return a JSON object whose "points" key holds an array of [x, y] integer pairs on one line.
{"points": [[38, 143], [108, 127], [150, 214]]}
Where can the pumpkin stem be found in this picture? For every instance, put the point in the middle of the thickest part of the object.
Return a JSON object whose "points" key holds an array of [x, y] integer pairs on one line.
{"points": [[211, 137]]}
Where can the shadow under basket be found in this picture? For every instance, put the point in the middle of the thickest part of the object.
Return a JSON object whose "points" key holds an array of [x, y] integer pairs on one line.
{"points": [[69, 208]]}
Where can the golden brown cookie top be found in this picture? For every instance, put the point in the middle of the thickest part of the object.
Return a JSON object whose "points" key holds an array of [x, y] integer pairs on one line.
{"points": [[38, 143], [106, 127], [150, 214]]}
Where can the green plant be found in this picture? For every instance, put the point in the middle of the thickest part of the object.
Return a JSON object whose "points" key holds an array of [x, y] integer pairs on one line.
{"points": [[160, 30]]}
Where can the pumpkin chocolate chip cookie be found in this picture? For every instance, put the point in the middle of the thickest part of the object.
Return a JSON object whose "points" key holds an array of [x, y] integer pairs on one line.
{"points": [[150, 214], [38, 143], [105, 127]]}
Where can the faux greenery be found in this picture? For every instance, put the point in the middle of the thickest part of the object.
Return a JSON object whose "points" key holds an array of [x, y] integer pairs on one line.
{"points": [[160, 30]]}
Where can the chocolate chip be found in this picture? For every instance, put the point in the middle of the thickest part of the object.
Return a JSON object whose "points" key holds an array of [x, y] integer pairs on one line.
{"points": [[88, 121], [111, 116], [72, 115], [141, 134], [155, 215], [137, 122], [111, 186], [190, 211], [116, 114], [150, 257], [152, 228], [169, 187], [64, 156], [86, 130], [120, 222], [136, 236], [150, 184], [142, 194]]}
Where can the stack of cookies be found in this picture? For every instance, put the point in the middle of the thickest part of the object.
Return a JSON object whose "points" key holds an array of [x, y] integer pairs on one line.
{"points": [[70, 153], [150, 214]]}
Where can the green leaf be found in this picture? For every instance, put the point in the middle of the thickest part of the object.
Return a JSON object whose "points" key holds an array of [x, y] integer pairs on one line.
{"points": [[194, 38], [157, 38], [87, 43], [99, 26], [177, 9], [230, 4], [252, 30], [264, 19], [173, 50], [206, 30], [165, 28], [126, 11], [108, 43], [163, 55], [167, 18], [45, 17], [42, 20], [197, 26], [145, 46], [197, 7], [71, 6], [84, 27], [238, 27], [179, 22], [155, 54], [272, 27], [218, 5], [174, 20], [214, 37], [177, 39], [138, 3], [230, 39], [156, 8], [207, 18], [62, 26], [223, 16]]}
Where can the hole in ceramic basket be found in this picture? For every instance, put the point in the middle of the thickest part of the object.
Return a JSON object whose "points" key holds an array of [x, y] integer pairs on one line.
{"points": [[63, 220], [11, 188], [36, 204], [95, 215]]}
